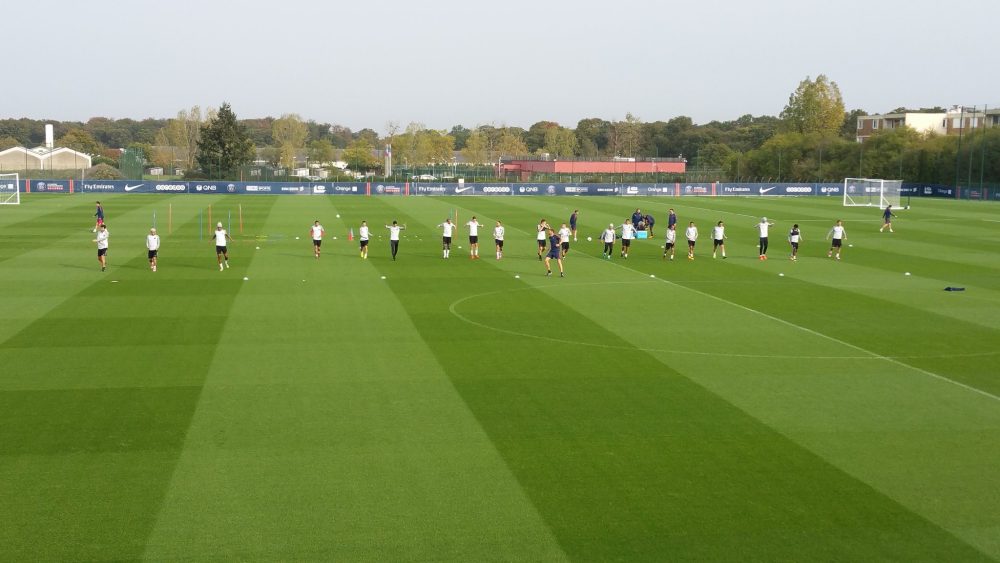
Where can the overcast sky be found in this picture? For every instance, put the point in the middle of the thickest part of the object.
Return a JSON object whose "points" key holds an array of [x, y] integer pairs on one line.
{"points": [[447, 62]]}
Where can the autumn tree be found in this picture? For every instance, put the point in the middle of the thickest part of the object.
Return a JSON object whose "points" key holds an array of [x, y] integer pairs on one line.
{"points": [[178, 140], [560, 142], [815, 107], [289, 134]]}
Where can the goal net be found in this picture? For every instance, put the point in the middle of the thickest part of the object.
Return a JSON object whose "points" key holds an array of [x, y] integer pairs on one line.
{"points": [[10, 189], [871, 192]]}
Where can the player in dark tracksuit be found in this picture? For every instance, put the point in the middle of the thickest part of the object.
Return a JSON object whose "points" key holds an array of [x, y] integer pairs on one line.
{"points": [[572, 222]]}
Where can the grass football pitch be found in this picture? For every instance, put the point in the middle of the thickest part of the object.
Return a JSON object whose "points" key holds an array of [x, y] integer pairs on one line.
{"points": [[477, 410]]}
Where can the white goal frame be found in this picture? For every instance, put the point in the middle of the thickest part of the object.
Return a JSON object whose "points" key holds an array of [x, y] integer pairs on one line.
{"points": [[872, 192], [10, 189]]}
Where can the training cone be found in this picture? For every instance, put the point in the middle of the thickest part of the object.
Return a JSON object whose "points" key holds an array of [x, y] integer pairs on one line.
{"points": [[350, 234]]}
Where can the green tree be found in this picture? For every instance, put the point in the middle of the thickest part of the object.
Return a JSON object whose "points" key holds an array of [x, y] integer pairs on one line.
{"points": [[511, 142], [104, 171], [461, 136], [476, 150], [224, 145], [80, 140], [816, 106], [592, 135], [321, 151], [358, 155], [534, 139], [289, 134], [560, 142], [8, 142], [368, 135]]}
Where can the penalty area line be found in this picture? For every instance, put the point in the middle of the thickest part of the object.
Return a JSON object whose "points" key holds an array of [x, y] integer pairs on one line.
{"points": [[875, 355]]}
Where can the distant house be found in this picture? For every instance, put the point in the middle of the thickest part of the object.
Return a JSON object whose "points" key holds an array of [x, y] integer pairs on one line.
{"points": [[43, 158], [955, 121]]}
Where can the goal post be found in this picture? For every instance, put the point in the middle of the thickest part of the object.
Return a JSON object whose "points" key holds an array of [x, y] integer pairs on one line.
{"points": [[871, 192], [10, 189]]}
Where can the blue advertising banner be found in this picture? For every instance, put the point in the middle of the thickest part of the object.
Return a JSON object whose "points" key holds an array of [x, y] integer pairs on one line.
{"points": [[49, 186], [482, 188], [928, 190]]}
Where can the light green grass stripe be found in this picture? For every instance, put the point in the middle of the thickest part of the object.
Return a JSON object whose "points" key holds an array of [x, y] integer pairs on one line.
{"points": [[345, 440]]}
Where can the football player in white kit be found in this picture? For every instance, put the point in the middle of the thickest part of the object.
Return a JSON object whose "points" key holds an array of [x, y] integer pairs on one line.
{"points": [[794, 237], [447, 231], [363, 234], [221, 249], [564, 234], [671, 241], [719, 239], [628, 233], [316, 232], [473, 225], [152, 248], [691, 233], [836, 235], [608, 238], [542, 238], [762, 230], [498, 232]]}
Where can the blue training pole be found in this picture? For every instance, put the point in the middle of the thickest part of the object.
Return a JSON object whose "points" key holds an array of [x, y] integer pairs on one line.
{"points": [[230, 229], [154, 218]]}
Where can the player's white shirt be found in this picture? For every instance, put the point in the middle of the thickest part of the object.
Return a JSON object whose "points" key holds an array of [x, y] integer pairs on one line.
{"points": [[628, 231], [363, 233], [608, 235], [691, 233], [671, 236], [102, 238], [473, 228], [564, 234], [498, 233], [317, 232], [718, 233], [220, 237], [541, 231], [838, 232], [793, 235], [447, 228], [394, 231], [153, 242], [762, 227]]}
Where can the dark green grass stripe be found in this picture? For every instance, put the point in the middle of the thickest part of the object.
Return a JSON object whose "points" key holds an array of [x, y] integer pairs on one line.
{"points": [[85, 469], [627, 460], [949, 347]]}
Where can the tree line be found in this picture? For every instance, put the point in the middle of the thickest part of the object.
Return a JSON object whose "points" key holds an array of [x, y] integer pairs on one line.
{"points": [[813, 139]]}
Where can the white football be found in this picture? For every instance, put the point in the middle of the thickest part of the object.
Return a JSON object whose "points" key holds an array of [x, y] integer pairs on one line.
{"points": [[258, 248], [383, 277], [589, 239], [517, 277], [338, 215], [246, 278], [906, 274]]}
